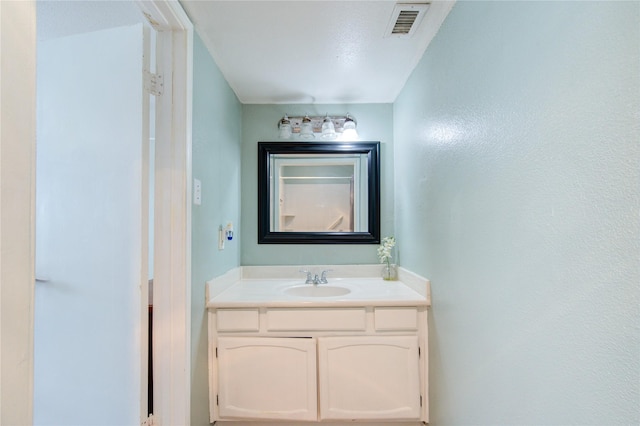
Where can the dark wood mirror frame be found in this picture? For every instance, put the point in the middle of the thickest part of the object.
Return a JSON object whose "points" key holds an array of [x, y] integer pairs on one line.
{"points": [[372, 152]]}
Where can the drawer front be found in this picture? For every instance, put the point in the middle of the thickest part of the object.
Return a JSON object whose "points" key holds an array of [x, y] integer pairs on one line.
{"points": [[317, 319], [388, 319], [238, 320]]}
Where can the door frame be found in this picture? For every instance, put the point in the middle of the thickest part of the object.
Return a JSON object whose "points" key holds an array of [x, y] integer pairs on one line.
{"points": [[172, 213], [17, 209], [172, 298]]}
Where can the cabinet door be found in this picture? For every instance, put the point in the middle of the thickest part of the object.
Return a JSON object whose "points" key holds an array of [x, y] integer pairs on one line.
{"points": [[369, 377], [267, 378]]}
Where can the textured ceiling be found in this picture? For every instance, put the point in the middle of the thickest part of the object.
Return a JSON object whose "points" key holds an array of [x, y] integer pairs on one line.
{"points": [[275, 52], [311, 51]]}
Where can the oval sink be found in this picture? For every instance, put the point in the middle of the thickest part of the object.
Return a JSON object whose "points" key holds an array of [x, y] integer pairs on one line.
{"points": [[317, 291]]}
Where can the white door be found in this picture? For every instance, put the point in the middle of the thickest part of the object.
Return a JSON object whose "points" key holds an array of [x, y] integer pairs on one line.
{"points": [[267, 378], [369, 377], [91, 219]]}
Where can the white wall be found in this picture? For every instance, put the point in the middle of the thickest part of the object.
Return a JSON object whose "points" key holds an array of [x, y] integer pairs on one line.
{"points": [[517, 169], [90, 229]]}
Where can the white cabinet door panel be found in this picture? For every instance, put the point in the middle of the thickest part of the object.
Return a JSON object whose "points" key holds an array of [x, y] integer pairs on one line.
{"points": [[267, 378], [369, 377]]}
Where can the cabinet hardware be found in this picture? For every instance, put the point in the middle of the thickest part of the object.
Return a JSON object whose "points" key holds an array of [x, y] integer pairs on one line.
{"points": [[218, 401]]}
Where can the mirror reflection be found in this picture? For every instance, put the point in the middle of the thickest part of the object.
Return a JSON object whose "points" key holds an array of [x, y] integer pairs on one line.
{"points": [[321, 193]]}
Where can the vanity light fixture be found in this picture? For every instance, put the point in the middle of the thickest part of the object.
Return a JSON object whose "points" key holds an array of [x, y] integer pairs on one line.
{"points": [[306, 129], [329, 127], [285, 128], [349, 131]]}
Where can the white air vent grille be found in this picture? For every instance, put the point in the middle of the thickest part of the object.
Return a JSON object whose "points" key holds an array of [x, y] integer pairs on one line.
{"points": [[405, 19], [404, 22]]}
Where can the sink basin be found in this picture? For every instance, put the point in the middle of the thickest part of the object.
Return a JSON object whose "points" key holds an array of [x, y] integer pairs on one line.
{"points": [[319, 290]]}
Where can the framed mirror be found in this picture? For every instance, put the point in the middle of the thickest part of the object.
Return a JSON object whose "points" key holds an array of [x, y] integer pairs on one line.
{"points": [[318, 193]]}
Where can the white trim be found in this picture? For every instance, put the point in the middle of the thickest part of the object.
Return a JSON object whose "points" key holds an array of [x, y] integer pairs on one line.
{"points": [[172, 211], [17, 209], [144, 236]]}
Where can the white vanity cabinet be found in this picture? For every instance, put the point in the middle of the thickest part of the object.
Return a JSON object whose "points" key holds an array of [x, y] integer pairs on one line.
{"points": [[318, 364], [266, 378], [369, 377]]}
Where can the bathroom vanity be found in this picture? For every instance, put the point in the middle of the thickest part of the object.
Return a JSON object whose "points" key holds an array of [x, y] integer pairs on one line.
{"points": [[353, 349]]}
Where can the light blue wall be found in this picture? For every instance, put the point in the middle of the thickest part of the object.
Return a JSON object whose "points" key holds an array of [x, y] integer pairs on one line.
{"points": [[517, 170], [216, 163], [259, 123]]}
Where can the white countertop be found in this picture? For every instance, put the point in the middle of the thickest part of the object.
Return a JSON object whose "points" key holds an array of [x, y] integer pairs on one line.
{"points": [[272, 293]]}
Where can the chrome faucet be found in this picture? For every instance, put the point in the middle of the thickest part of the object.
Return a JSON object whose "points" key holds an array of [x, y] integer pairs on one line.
{"points": [[323, 278], [309, 280], [315, 279]]}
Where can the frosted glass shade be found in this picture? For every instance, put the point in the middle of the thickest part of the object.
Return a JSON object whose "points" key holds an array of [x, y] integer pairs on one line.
{"points": [[306, 129], [284, 127], [328, 129]]}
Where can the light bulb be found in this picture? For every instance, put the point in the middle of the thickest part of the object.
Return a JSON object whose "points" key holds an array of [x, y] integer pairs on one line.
{"points": [[349, 131]]}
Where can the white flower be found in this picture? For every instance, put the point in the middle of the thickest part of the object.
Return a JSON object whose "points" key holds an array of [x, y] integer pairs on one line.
{"points": [[384, 251]]}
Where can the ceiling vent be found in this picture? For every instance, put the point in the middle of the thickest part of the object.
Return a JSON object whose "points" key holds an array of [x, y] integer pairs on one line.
{"points": [[405, 19]]}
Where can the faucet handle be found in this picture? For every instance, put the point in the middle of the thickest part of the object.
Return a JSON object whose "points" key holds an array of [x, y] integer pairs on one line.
{"points": [[309, 278], [323, 277]]}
